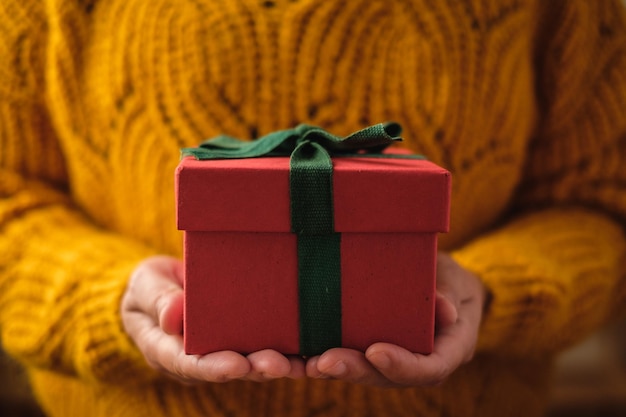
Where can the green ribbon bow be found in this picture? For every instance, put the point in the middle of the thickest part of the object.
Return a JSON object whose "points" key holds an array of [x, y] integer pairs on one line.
{"points": [[312, 220]]}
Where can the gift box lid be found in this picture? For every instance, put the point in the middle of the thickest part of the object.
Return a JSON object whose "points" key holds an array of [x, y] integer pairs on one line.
{"points": [[369, 195]]}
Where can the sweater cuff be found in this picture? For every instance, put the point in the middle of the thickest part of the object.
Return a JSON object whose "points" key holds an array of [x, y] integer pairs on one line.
{"points": [[109, 352], [61, 309], [553, 277]]}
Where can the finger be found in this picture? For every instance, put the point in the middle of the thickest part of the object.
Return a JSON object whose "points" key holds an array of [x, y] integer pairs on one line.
{"points": [[345, 364], [165, 352], [450, 279], [404, 368], [171, 313], [155, 288], [455, 283], [312, 370], [453, 347], [269, 364], [446, 312], [297, 367]]}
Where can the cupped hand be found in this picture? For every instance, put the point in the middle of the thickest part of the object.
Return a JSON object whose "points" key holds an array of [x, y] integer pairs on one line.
{"points": [[458, 311], [152, 314]]}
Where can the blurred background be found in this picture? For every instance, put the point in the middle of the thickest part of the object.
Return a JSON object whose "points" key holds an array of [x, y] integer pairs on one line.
{"points": [[590, 379]]}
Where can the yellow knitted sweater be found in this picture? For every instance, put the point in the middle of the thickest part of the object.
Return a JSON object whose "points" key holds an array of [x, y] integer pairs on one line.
{"points": [[523, 100]]}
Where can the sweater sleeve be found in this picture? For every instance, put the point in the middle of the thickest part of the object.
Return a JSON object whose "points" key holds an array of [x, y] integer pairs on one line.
{"points": [[61, 277], [557, 271]]}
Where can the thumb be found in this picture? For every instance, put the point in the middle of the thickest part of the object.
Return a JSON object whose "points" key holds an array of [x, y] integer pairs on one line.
{"points": [[448, 295], [170, 312], [446, 311], [155, 289]]}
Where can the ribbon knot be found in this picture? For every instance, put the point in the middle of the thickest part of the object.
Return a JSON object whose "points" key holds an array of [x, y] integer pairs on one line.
{"points": [[310, 149], [373, 139]]}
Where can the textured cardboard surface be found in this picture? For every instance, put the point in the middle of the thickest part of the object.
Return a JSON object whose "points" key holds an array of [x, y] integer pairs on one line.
{"points": [[241, 290]]}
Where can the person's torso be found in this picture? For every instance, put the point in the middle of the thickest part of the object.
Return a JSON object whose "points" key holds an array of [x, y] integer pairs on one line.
{"points": [[152, 77]]}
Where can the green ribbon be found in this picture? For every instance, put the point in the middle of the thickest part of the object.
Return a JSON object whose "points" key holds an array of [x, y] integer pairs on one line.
{"points": [[312, 220]]}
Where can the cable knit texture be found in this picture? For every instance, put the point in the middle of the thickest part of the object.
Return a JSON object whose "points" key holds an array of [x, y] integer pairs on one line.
{"points": [[523, 100]]}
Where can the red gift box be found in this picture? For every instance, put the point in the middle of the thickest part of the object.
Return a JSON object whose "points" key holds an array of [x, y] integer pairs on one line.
{"points": [[241, 262]]}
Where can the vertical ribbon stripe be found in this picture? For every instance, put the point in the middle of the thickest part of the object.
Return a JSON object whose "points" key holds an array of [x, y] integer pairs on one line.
{"points": [[319, 257], [319, 288]]}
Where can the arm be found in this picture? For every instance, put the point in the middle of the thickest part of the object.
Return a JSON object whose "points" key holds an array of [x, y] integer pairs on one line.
{"points": [[61, 277], [557, 272]]}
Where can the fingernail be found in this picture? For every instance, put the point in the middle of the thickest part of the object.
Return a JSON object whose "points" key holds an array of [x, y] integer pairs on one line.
{"points": [[380, 359], [338, 369]]}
